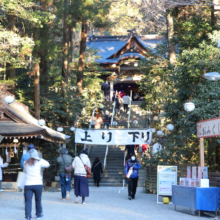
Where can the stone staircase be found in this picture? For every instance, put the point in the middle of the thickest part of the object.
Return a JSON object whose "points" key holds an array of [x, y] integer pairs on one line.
{"points": [[136, 114], [113, 175]]}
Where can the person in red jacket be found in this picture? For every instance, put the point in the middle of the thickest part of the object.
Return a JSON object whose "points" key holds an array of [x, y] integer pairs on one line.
{"points": [[141, 148], [122, 94]]}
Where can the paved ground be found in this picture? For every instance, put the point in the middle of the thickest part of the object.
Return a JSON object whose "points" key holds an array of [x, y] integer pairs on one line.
{"points": [[104, 203]]}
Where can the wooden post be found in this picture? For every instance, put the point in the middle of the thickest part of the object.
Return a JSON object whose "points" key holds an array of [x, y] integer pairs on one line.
{"points": [[201, 150]]}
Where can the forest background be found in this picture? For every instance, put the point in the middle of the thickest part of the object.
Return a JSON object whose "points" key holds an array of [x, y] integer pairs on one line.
{"points": [[43, 54]]}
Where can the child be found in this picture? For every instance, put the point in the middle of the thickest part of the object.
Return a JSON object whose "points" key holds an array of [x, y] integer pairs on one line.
{"points": [[1, 166]]}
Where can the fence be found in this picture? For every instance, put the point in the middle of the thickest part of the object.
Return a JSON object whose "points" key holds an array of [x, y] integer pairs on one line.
{"points": [[151, 177]]}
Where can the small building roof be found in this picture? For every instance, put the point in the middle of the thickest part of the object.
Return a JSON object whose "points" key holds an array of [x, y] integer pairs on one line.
{"points": [[16, 121]]}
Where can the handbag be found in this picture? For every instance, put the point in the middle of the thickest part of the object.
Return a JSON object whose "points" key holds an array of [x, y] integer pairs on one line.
{"points": [[68, 169], [88, 170], [21, 180]]}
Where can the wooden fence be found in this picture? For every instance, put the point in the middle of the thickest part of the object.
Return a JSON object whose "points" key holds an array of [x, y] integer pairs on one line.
{"points": [[151, 177]]}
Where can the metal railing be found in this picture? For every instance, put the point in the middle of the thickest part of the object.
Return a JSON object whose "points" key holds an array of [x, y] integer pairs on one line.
{"points": [[113, 110], [129, 114], [90, 126], [106, 154]]}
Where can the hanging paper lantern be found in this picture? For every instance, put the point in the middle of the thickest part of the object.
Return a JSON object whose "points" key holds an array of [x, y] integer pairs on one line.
{"points": [[41, 122], [60, 129], [213, 76], [159, 133], [115, 123], [155, 118], [153, 130], [189, 106], [15, 141], [135, 122], [9, 99], [170, 127], [72, 129]]}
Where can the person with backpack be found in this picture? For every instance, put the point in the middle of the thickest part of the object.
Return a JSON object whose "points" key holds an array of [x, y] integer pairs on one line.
{"points": [[126, 100], [131, 172], [97, 170], [64, 160]]}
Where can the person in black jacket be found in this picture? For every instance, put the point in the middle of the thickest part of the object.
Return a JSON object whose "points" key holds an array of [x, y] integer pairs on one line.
{"points": [[97, 170]]}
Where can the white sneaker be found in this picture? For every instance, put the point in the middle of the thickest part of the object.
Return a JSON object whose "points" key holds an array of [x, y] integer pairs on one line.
{"points": [[83, 202], [77, 200], [67, 195], [2, 190]]}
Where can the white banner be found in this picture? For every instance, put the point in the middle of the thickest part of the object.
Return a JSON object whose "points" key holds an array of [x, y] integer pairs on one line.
{"points": [[113, 137], [208, 128]]}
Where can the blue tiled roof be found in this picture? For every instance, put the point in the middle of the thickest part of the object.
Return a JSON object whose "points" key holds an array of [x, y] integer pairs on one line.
{"points": [[107, 46]]}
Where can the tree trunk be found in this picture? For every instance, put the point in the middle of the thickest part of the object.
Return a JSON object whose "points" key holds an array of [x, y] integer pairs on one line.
{"points": [[214, 14], [170, 32], [12, 71], [65, 73], [82, 55], [36, 76], [72, 32]]}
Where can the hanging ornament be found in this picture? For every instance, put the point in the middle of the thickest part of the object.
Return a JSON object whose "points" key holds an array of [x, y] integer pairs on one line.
{"points": [[115, 123], [135, 122], [72, 129], [41, 122], [170, 127], [189, 106], [153, 130], [60, 129], [6, 151], [159, 133], [155, 118], [15, 149], [9, 99]]}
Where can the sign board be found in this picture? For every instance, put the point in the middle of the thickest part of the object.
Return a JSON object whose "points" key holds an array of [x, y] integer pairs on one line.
{"points": [[166, 177], [113, 137], [1, 138], [208, 128]]}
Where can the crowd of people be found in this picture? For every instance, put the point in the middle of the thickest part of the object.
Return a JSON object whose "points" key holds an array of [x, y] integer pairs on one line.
{"points": [[32, 165]]}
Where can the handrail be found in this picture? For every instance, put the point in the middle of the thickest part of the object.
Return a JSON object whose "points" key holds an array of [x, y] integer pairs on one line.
{"points": [[90, 126], [113, 110], [106, 154], [129, 114], [124, 157]]}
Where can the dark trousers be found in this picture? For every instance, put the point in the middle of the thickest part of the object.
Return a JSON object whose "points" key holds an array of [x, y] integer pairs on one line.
{"points": [[65, 184], [126, 107], [28, 193], [132, 186]]}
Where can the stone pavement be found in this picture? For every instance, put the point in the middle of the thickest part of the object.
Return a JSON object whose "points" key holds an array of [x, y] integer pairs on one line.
{"points": [[104, 203]]}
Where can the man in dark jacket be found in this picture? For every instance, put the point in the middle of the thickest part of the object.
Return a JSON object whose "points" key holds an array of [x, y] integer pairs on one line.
{"points": [[130, 150], [63, 161], [106, 88], [133, 166]]}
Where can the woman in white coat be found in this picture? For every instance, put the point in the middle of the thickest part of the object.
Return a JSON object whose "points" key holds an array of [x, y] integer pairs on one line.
{"points": [[81, 186], [34, 183], [2, 165]]}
